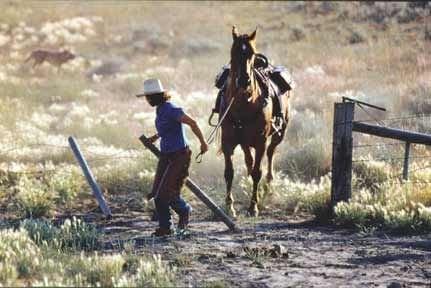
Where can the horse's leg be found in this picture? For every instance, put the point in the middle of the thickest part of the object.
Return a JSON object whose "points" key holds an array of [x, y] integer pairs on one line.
{"points": [[228, 176], [248, 159], [256, 174], [275, 140]]}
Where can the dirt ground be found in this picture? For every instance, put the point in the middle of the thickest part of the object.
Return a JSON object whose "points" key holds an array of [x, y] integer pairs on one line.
{"points": [[278, 252]]}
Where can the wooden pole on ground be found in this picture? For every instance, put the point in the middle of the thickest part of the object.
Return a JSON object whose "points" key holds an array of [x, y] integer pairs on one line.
{"points": [[89, 176], [342, 148], [195, 189]]}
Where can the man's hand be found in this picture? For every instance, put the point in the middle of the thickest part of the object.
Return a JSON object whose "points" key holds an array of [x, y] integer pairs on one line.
{"points": [[204, 147], [153, 138]]}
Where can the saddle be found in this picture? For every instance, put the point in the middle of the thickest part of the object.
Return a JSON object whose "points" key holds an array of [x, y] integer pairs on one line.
{"points": [[273, 81]]}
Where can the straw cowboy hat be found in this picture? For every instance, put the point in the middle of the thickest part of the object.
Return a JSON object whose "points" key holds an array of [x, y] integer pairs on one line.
{"points": [[151, 86]]}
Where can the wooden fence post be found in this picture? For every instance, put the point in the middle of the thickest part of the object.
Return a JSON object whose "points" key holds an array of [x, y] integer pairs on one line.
{"points": [[90, 178], [342, 152]]}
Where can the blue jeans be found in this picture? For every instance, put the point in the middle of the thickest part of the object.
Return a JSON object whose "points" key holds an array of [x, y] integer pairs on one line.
{"points": [[177, 204]]}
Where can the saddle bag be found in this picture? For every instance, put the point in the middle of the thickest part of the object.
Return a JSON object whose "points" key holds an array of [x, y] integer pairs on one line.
{"points": [[282, 78], [222, 76]]}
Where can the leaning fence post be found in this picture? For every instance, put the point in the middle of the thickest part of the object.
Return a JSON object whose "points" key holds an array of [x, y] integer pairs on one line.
{"points": [[89, 176], [341, 188], [406, 161]]}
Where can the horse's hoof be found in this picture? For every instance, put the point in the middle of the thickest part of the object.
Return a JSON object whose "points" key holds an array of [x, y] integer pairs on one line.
{"points": [[232, 213], [269, 178], [253, 212]]}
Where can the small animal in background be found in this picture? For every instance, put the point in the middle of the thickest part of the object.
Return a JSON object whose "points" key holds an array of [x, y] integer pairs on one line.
{"points": [[52, 57]]}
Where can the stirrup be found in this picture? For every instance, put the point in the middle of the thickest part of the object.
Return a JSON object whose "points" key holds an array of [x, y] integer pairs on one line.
{"points": [[211, 117]]}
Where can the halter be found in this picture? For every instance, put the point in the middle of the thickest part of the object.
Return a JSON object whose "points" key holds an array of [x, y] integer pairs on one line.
{"points": [[244, 49]]}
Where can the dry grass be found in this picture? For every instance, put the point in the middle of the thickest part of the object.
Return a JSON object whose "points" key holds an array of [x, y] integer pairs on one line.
{"points": [[332, 49]]}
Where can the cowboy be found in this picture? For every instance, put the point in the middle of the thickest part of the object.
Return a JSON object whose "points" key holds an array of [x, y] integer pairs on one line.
{"points": [[174, 162]]}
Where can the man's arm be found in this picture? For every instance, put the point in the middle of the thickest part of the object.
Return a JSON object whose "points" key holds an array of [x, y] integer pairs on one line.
{"points": [[186, 119]]}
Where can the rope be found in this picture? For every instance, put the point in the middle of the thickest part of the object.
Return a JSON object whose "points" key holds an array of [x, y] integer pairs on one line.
{"points": [[213, 134], [211, 137]]}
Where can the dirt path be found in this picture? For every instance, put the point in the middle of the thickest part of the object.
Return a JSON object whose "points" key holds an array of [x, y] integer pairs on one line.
{"points": [[281, 252]]}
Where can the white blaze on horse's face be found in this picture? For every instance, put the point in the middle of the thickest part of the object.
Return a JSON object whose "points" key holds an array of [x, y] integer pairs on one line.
{"points": [[244, 47]]}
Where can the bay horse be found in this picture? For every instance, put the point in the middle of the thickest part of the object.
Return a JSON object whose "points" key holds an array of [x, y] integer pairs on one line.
{"points": [[248, 122]]}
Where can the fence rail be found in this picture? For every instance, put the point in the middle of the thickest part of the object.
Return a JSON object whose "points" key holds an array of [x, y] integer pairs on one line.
{"points": [[392, 133]]}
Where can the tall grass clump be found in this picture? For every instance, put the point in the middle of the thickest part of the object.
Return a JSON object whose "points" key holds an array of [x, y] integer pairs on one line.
{"points": [[311, 160], [38, 196], [19, 256], [34, 199], [396, 208], [106, 271], [370, 174], [132, 178], [96, 270], [153, 273], [66, 182], [78, 235], [72, 235], [295, 196], [41, 231], [40, 262]]}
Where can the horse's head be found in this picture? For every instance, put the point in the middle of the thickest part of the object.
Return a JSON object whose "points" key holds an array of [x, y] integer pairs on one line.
{"points": [[242, 58]]}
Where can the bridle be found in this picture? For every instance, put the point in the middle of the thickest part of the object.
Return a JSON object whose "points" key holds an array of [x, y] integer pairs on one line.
{"points": [[243, 76]]}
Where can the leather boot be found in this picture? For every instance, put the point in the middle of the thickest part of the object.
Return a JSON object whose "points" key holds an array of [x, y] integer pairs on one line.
{"points": [[184, 220], [161, 232]]}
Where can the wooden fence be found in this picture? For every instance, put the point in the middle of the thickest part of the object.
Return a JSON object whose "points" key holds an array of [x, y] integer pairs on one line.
{"points": [[342, 147]]}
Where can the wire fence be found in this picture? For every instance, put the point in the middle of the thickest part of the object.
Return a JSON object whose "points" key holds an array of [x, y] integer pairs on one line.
{"points": [[382, 121], [92, 157], [389, 147], [393, 151]]}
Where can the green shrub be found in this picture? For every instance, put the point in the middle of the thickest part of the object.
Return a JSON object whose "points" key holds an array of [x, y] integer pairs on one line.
{"points": [[78, 235], [19, 256], [319, 203], [131, 178], [66, 182], [41, 231], [395, 208], [34, 198], [73, 234], [371, 174], [310, 161], [96, 270], [295, 196], [8, 273], [153, 273], [106, 271]]}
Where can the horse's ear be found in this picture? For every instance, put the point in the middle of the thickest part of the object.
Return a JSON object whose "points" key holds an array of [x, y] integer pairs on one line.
{"points": [[234, 33], [252, 36]]}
